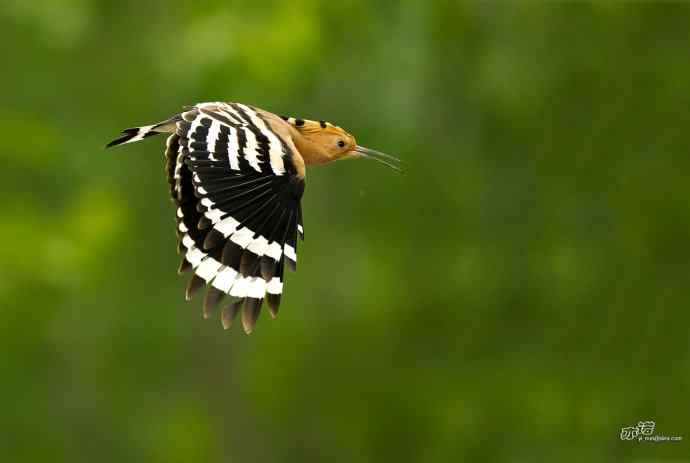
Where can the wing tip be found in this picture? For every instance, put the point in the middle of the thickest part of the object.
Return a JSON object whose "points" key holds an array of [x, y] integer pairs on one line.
{"points": [[250, 313], [229, 313]]}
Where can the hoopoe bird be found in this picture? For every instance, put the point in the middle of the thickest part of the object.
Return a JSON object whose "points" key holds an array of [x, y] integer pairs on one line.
{"points": [[237, 175]]}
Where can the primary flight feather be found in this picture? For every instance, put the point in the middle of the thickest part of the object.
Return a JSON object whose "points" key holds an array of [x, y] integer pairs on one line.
{"points": [[236, 175]]}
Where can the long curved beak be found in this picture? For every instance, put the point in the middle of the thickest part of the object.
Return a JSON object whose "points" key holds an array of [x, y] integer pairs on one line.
{"points": [[392, 162]]}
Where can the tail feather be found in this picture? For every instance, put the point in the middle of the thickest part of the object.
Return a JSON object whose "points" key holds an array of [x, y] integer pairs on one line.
{"points": [[139, 133]]}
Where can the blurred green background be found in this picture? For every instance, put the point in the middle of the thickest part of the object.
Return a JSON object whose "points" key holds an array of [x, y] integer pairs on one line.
{"points": [[520, 295]]}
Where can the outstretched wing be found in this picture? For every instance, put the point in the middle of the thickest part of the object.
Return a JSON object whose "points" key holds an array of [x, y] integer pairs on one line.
{"points": [[238, 195]]}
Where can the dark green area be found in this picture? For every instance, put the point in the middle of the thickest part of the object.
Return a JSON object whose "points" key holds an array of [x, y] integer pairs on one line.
{"points": [[520, 295]]}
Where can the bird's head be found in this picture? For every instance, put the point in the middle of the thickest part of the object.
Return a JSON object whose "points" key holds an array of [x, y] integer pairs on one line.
{"points": [[320, 142]]}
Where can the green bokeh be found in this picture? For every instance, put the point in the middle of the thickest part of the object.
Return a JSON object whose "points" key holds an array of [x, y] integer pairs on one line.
{"points": [[520, 295]]}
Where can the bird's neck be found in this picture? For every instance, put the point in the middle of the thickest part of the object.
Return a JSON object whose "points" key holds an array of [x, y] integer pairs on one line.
{"points": [[310, 151]]}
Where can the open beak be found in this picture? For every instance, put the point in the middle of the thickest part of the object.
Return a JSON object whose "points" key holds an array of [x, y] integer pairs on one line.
{"points": [[392, 162]]}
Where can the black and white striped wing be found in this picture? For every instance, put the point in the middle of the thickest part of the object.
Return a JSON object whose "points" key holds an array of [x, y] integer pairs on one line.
{"points": [[238, 216]]}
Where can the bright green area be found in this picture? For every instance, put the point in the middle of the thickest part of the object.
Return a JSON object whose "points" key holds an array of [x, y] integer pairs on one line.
{"points": [[520, 295]]}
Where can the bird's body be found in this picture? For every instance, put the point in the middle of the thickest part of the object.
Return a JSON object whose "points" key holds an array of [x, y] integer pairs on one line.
{"points": [[237, 175]]}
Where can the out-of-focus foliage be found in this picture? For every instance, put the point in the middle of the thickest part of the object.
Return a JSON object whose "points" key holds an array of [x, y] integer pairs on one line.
{"points": [[520, 295]]}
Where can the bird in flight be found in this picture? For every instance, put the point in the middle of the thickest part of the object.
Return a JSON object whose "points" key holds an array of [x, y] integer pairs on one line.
{"points": [[236, 175]]}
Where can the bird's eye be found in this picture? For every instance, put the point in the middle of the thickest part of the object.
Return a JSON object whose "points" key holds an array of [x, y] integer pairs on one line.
{"points": [[341, 144]]}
